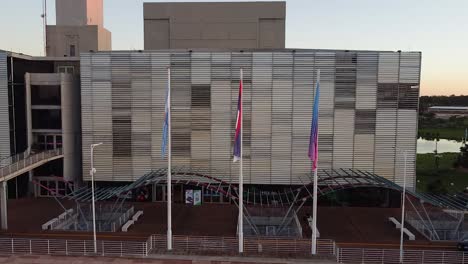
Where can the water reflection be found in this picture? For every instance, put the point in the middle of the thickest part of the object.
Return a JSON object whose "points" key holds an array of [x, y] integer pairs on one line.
{"points": [[444, 145]]}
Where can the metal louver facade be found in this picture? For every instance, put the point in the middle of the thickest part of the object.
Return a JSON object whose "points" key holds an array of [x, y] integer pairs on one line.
{"points": [[4, 107], [368, 109]]}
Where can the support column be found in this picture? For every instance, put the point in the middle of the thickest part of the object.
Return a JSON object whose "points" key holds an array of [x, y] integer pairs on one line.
{"points": [[3, 205]]}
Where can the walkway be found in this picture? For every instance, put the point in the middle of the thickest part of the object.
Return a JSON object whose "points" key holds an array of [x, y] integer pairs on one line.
{"points": [[14, 166]]}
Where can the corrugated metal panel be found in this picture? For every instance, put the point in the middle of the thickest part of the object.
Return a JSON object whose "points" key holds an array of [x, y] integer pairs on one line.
{"points": [[4, 105], [123, 96]]}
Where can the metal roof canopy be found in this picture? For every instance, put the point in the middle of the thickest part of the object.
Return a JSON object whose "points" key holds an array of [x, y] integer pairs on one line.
{"points": [[328, 180]]}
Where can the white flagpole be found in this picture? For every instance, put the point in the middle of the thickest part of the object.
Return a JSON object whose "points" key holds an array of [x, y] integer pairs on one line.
{"points": [[169, 165], [314, 208], [241, 177]]}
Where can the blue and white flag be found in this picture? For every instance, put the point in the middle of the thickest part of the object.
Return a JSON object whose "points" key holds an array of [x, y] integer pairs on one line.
{"points": [[167, 115], [237, 136], [313, 141]]}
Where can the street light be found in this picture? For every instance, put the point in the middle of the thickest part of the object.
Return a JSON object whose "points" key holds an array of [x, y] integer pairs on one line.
{"points": [[91, 172], [403, 199]]}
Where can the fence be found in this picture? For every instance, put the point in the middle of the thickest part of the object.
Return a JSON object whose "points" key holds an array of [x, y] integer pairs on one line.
{"points": [[252, 246], [21, 161], [24, 246], [369, 255]]}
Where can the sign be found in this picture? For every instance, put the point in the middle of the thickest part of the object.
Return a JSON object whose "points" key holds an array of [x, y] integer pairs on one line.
{"points": [[197, 197], [189, 196]]}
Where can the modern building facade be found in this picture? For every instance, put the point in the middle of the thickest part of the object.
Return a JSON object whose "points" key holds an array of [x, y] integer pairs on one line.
{"points": [[41, 112], [368, 112], [79, 28], [212, 25]]}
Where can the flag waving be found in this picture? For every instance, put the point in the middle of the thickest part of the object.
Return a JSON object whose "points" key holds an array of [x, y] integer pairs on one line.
{"points": [[167, 112], [237, 137], [313, 143]]}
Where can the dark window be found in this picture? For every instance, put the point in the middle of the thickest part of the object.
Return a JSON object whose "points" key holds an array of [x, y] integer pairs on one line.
{"points": [[72, 51], [365, 122], [45, 95], [408, 96], [46, 119], [121, 136]]}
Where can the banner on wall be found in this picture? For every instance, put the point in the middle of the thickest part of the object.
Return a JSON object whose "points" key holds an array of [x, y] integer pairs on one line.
{"points": [[189, 196], [197, 197]]}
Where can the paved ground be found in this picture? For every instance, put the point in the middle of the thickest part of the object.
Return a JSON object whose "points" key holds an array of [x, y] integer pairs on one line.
{"points": [[348, 226], [155, 260]]}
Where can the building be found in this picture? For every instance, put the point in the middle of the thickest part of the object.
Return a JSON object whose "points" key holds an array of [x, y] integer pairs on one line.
{"points": [[368, 112], [42, 103], [449, 111], [211, 25], [79, 28]]}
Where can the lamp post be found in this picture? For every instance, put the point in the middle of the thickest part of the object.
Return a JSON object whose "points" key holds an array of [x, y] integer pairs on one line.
{"points": [[403, 199], [91, 172]]}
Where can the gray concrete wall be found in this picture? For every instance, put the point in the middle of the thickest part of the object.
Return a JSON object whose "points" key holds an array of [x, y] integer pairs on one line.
{"points": [[214, 25], [104, 39], [59, 39], [71, 122], [71, 127], [79, 12], [4, 111]]}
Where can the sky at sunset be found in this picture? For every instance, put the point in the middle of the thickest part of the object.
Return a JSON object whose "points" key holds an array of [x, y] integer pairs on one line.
{"points": [[439, 29]]}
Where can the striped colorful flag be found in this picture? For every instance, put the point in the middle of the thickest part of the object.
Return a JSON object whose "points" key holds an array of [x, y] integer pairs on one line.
{"points": [[237, 137], [167, 111], [313, 142]]}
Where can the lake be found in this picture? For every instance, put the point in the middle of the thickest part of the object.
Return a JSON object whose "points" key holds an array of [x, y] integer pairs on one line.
{"points": [[444, 145]]}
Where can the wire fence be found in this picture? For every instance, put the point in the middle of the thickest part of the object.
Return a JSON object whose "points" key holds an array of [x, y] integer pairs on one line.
{"points": [[370, 255], [252, 246], [25, 246]]}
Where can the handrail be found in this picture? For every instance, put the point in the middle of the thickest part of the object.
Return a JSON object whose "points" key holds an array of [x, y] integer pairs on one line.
{"points": [[27, 161], [6, 161]]}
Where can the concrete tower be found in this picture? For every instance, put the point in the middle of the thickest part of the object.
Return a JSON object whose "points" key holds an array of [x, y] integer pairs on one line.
{"points": [[79, 28]]}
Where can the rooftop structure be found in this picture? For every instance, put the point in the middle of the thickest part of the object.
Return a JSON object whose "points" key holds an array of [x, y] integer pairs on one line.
{"points": [[214, 25]]}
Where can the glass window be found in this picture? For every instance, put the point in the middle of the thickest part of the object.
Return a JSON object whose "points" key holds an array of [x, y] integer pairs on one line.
{"points": [[72, 51]]}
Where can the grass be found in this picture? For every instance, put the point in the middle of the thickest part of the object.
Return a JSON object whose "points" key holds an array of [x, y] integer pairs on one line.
{"points": [[444, 133], [445, 179]]}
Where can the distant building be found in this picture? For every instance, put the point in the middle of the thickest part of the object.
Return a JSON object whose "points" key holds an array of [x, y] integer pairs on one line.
{"points": [[448, 111], [79, 28], [214, 25]]}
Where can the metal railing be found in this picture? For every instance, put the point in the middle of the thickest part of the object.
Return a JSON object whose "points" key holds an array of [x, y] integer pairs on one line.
{"points": [[24, 246], [252, 246], [26, 161], [370, 255], [5, 161]]}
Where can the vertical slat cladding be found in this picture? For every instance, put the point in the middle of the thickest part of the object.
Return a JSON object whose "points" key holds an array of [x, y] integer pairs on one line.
{"points": [[201, 109], [140, 114], [303, 92], [221, 114], [159, 64], [281, 118], [262, 74], [386, 121], [345, 98], [407, 116], [242, 60], [325, 61], [366, 99], [87, 129], [366, 104], [4, 105], [181, 108], [122, 101]]}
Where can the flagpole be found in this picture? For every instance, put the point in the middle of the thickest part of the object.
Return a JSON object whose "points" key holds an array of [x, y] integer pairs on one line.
{"points": [[314, 206], [241, 177], [169, 165]]}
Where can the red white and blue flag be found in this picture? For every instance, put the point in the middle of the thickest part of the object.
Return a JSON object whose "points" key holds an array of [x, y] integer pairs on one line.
{"points": [[313, 143], [237, 137]]}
